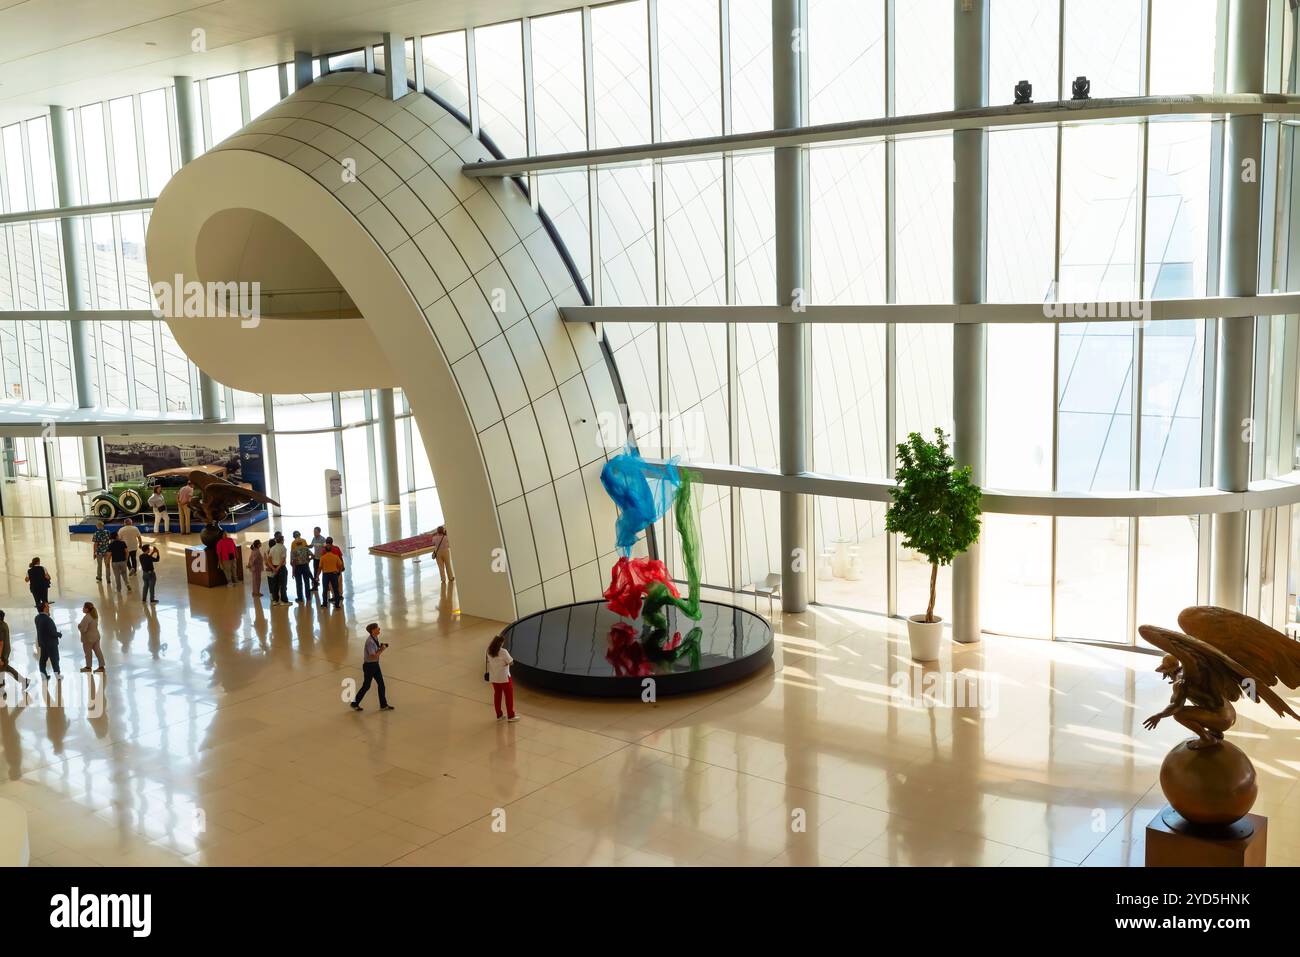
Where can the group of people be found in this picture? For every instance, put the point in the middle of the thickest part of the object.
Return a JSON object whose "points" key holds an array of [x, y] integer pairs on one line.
{"points": [[317, 567], [122, 553], [184, 503], [47, 644], [497, 673]]}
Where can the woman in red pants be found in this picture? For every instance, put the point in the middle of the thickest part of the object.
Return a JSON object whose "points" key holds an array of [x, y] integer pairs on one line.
{"points": [[498, 672]]}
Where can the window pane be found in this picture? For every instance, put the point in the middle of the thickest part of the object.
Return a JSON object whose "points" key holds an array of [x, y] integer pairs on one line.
{"points": [[1092, 578], [621, 74], [851, 548], [1023, 46], [923, 231], [690, 80], [95, 153], [224, 113], [126, 165], [1021, 215], [1016, 587], [558, 85], [446, 73], [1103, 41], [154, 111], [301, 461], [751, 65], [1182, 46], [846, 59], [1167, 563], [923, 47], [847, 209], [498, 52], [263, 90]]}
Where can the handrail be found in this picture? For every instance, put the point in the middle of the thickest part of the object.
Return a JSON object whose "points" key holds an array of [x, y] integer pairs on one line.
{"points": [[885, 127]]}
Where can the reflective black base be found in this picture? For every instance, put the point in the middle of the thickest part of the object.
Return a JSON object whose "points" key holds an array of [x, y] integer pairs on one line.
{"points": [[586, 649]]}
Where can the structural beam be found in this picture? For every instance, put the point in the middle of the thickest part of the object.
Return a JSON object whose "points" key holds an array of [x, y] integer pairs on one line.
{"points": [[190, 140], [788, 71], [395, 66], [1233, 428], [969, 244], [75, 285], [389, 460], [1126, 311], [885, 127], [74, 212]]}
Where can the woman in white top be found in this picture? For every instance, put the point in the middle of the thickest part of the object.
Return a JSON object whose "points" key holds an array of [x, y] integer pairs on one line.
{"points": [[498, 672], [89, 628]]}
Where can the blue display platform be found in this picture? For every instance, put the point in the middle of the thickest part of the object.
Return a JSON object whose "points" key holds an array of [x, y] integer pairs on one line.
{"points": [[240, 522]]}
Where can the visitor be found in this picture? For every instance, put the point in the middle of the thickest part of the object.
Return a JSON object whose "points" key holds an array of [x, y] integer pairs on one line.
{"points": [[331, 570], [256, 562], [227, 559], [117, 558], [498, 672], [149, 577], [371, 670], [99, 545], [277, 559], [47, 642], [130, 534], [442, 553], [89, 628], [6, 655], [317, 549], [38, 580], [183, 499], [159, 505], [300, 559]]}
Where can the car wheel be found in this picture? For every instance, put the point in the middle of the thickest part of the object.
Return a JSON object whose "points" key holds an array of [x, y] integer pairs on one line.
{"points": [[130, 501], [103, 508]]}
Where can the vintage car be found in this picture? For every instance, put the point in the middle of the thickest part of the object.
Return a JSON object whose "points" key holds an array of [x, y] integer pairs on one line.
{"points": [[131, 498]]}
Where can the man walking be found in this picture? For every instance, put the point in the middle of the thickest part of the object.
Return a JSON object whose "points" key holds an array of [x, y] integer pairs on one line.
{"points": [[129, 534], [370, 668], [159, 505], [6, 655], [183, 499], [99, 544], [47, 643]]}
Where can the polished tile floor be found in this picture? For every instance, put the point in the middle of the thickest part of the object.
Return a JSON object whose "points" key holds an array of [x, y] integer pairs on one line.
{"points": [[219, 735]]}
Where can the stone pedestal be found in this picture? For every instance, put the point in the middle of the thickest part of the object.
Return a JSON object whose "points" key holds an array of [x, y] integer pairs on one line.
{"points": [[1172, 842], [203, 569]]}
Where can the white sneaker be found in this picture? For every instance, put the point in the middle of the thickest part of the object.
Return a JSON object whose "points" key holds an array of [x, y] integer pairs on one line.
{"points": [[515, 718]]}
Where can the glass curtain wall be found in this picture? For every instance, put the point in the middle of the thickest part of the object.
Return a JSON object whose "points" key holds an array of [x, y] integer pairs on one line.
{"points": [[1099, 212]]}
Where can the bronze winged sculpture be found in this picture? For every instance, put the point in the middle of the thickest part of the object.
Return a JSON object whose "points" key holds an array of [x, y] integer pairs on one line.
{"points": [[1219, 657], [217, 498]]}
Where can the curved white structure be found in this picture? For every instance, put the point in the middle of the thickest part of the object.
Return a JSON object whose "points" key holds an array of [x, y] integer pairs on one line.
{"points": [[381, 265]]}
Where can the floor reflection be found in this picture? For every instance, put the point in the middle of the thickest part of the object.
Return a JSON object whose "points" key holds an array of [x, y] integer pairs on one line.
{"points": [[219, 735]]}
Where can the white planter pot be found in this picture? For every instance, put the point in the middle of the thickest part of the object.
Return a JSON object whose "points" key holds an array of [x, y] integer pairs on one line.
{"points": [[926, 637]]}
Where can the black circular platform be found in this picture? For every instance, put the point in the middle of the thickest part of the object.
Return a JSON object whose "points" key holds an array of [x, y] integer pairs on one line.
{"points": [[586, 649]]}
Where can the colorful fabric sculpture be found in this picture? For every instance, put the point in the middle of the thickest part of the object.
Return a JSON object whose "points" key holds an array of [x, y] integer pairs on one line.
{"points": [[640, 587], [642, 492]]}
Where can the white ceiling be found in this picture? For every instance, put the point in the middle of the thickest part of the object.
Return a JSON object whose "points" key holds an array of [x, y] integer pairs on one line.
{"points": [[71, 52]]}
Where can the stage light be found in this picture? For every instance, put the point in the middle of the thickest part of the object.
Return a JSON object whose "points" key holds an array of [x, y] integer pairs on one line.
{"points": [[1081, 88], [1024, 92]]}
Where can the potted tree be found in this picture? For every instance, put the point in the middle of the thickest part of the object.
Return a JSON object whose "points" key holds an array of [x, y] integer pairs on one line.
{"points": [[936, 508]]}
